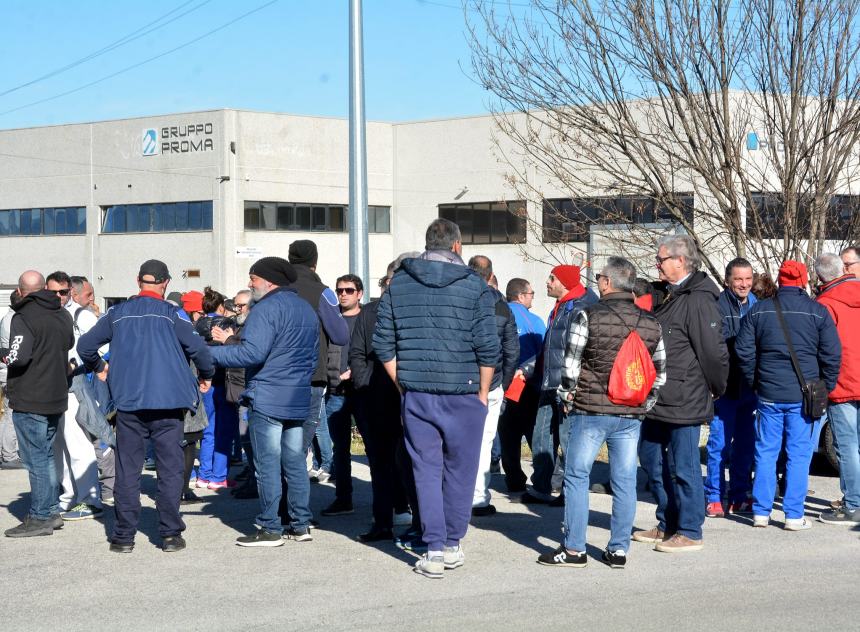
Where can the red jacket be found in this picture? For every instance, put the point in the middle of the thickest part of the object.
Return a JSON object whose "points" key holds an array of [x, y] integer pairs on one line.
{"points": [[841, 297]]}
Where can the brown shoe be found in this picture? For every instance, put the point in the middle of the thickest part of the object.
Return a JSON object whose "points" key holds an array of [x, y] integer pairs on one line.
{"points": [[837, 504], [651, 536], [679, 543]]}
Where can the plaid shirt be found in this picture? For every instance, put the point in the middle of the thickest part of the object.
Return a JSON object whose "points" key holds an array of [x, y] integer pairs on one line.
{"points": [[577, 337]]}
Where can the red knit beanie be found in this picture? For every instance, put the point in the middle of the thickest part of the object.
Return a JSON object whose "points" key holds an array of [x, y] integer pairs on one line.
{"points": [[568, 275], [792, 274]]}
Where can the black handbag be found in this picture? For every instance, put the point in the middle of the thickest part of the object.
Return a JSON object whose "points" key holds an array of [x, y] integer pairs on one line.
{"points": [[814, 391]]}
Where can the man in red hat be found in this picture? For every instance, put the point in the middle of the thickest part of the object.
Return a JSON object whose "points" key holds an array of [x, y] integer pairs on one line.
{"points": [[550, 431], [764, 346]]}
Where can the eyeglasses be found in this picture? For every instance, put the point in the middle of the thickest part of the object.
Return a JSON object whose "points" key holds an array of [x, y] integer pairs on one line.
{"points": [[660, 260], [850, 263], [597, 277], [62, 292], [240, 305], [528, 293], [346, 290]]}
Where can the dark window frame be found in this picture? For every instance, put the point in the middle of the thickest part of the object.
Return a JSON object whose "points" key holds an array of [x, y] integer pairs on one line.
{"points": [[481, 217], [311, 217], [41, 219], [581, 213], [149, 217]]}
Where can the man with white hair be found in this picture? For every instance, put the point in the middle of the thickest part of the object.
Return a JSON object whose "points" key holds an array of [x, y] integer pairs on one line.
{"points": [[698, 369], [840, 294]]}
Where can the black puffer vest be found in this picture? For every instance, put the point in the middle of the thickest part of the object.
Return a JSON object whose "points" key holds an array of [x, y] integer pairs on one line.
{"points": [[609, 323]]}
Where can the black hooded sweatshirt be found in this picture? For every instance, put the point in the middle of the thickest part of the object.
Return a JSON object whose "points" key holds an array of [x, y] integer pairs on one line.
{"points": [[41, 334]]}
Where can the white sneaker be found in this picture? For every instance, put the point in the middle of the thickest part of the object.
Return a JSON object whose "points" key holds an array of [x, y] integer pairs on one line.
{"points": [[797, 524], [454, 557], [761, 521], [402, 519]]}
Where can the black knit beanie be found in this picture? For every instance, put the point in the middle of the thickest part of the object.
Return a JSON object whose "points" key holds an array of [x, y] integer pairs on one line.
{"points": [[275, 270], [303, 252]]}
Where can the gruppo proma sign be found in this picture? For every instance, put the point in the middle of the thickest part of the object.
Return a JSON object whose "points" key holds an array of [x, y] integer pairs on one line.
{"points": [[177, 139]]}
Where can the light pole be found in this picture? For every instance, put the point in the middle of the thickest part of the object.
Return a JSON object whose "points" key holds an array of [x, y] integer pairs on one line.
{"points": [[358, 246]]}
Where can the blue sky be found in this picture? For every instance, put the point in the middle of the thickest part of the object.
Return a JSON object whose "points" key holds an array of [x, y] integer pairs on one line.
{"points": [[291, 56]]}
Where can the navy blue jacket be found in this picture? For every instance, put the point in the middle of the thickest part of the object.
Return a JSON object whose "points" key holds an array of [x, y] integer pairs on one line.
{"points": [[279, 350], [733, 313], [438, 320], [150, 346], [555, 341], [509, 357], [763, 352]]}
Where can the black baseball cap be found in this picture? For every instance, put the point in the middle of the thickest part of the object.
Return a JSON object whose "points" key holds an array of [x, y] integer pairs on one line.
{"points": [[155, 269]]}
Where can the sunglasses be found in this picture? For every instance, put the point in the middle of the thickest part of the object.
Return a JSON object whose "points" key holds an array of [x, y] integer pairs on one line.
{"points": [[346, 290], [62, 292]]}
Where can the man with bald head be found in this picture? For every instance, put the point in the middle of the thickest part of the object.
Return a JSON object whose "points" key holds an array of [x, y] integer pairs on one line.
{"points": [[37, 385]]}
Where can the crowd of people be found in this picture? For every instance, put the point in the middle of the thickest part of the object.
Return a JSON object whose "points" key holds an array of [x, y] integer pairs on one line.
{"points": [[443, 377]]}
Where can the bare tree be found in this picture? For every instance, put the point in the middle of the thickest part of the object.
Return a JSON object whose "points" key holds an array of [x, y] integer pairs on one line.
{"points": [[634, 108]]}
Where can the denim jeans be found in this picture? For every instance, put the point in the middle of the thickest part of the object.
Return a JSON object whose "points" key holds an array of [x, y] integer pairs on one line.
{"points": [[339, 410], [36, 449], [669, 454], [845, 425], [316, 427], [587, 433], [730, 444], [777, 421], [280, 447], [545, 443]]}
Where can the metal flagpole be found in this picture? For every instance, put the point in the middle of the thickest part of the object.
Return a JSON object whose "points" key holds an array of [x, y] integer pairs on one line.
{"points": [[358, 246]]}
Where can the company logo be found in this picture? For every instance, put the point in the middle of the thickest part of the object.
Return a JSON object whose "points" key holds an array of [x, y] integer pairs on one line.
{"points": [[149, 142], [634, 376], [752, 141]]}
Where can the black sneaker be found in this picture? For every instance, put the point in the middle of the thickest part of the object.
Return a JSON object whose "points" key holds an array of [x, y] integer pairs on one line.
{"points": [[299, 535], [560, 557], [840, 516], [376, 534], [338, 508], [614, 559], [172, 543], [558, 501], [260, 538], [246, 492], [528, 499], [121, 547], [31, 527], [487, 510], [601, 488], [190, 498]]}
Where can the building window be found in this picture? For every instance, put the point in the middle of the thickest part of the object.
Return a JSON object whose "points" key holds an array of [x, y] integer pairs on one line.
{"points": [[766, 212], [43, 221], [307, 217], [488, 222], [167, 217], [567, 220], [110, 301]]}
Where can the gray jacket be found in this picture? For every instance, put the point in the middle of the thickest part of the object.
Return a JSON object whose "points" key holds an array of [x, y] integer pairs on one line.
{"points": [[89, 417]]}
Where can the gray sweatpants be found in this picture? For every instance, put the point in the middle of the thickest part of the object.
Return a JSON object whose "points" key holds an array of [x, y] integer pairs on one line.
{"points": [[8, 438]]}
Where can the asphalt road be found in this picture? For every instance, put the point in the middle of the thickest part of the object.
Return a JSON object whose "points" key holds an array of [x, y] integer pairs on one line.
{"points": [[744, 579]]}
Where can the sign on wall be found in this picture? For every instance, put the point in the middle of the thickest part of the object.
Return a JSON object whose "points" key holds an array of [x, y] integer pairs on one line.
{"points": [[178, 139]]}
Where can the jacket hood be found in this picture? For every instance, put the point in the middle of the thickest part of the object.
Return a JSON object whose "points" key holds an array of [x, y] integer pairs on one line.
{"points": [[845, 289], [699, 282], [43, 299], [434, 273]]}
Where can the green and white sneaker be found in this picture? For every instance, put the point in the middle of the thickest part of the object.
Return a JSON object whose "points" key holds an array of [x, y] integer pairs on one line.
{"points": [[81, 511]]}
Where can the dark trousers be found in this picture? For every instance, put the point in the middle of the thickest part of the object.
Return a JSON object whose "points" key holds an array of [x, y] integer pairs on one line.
{"points": [[378, 420], [189, 452], [443, 436], [165, 429], [517, 421], [669, 454]]}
